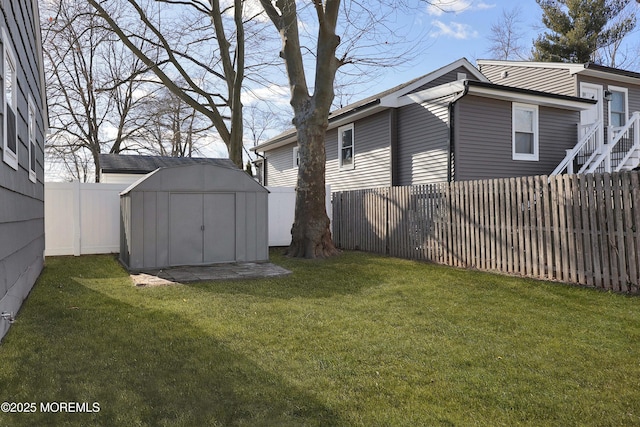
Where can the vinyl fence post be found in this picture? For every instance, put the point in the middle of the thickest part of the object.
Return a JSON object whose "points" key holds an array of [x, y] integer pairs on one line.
{"points": [[77, 233]]}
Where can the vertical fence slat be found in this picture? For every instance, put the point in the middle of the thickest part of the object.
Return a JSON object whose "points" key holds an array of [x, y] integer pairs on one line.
{"points": [[620, 247], [610, 237], [585, 236], [580, 229], [627, 196]]}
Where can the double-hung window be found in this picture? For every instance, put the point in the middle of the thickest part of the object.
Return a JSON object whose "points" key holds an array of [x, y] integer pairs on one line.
{"points": [[346, 146], [9, 104], [525, 132], [32, 140], [618, 106]]}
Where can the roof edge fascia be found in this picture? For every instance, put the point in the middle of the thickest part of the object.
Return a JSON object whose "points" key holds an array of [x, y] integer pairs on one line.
{"points": [[392, 99]]}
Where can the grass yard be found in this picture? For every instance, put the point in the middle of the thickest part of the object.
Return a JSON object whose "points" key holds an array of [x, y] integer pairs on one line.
{"points": [[358, 340]]}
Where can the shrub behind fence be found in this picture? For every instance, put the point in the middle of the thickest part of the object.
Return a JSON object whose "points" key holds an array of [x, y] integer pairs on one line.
{"points": [[580, 229]]}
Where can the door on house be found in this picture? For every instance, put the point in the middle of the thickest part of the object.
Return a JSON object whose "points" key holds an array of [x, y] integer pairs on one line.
{"points": [[202, 228], [595, 113]]}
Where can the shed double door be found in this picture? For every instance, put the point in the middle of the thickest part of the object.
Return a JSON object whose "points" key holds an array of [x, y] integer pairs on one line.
{"points": [[202, 228]]}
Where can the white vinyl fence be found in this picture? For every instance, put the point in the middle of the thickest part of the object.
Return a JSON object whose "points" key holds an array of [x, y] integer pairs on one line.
{"points": [[81, 218], [282, 203], [84, 218]]}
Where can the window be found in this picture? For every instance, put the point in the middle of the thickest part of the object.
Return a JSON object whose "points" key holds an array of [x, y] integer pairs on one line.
{"points": [[618, 106], [525, 132], [9, 89], [296, 157], [32, 141], [346, 146]]}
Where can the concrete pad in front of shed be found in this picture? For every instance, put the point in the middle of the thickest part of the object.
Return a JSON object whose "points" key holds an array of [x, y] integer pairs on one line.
{"points": [[229, 271]]}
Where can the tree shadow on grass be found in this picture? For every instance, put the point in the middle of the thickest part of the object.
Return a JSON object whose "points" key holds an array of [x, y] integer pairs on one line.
{"points": [[143, 367]]}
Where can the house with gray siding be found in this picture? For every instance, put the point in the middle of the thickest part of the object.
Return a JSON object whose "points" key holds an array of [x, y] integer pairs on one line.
{"points": [[451, 124], [608, 131], [23, 112]]}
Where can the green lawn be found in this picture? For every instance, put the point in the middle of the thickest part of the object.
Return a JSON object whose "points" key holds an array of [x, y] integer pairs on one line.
{"points": [[355, 340]]}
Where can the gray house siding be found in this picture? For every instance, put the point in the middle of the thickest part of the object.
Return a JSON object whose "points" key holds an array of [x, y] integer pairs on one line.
{"points": [[280, 170], [423, 141], [449, 77], [21, 200], [553, 80], [483, 139], [372, 159]]}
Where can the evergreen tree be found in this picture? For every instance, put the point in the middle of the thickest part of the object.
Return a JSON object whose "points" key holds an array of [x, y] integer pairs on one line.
{"points": [[578, 28]]}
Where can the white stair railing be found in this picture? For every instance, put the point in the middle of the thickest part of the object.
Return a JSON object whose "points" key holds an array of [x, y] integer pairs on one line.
{"points": [[593, 156], [586, 149], [615, 163]]}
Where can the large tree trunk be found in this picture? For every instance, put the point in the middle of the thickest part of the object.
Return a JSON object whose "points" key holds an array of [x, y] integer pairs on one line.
{"points": [[310, 234]]}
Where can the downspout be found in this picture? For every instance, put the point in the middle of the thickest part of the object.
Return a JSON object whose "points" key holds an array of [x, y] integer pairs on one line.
{"points": [[451, 126]]}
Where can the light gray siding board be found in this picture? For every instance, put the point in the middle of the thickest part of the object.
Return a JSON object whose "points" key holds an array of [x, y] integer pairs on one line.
{"points": [[423, 143], [553, 80], [483, 139], [372, 158], [449, 77], [281, 172]]}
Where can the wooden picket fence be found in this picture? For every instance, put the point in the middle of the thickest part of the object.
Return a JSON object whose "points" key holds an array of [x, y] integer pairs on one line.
{"points": [[580, 229]]}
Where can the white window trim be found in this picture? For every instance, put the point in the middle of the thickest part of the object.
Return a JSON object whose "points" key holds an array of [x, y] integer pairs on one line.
{"points": [[296, 157], [626, 102], [536, 132], [353, 147], [8, 156], [31, 130]]}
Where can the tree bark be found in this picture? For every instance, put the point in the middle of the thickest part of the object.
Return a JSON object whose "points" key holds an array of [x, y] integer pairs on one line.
{"points": [[310, 233]]}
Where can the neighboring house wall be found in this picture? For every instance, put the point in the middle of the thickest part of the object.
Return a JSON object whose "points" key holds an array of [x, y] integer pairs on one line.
{"points": [[423, 143], [22, 193], [553, 80], [281, 170], [371, 167], [483, 139], [119, 178], [372, 158]]}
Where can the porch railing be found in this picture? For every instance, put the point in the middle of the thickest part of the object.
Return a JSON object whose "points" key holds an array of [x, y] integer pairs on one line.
{"points": [[591, 155]]}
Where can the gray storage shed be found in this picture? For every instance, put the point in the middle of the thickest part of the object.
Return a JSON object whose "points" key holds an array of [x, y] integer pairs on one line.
{"points": [[193, 215]]}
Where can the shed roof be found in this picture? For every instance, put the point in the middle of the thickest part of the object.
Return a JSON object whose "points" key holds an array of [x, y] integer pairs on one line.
{"points": [[196, 178], [138, 164]]}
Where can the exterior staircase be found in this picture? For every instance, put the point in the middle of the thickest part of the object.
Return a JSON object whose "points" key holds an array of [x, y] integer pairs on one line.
{"points": [[620, 152]]}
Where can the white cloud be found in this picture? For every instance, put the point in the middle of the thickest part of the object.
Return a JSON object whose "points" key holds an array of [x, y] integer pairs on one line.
{"points": [[439, 7], [273, 93], [454, 30], [484, 6]]}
